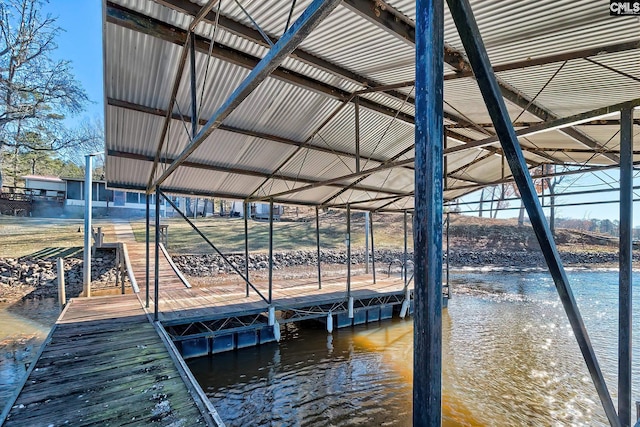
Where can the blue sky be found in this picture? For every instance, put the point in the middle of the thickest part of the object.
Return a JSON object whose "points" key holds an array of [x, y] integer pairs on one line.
{"points": [[81, 43]]}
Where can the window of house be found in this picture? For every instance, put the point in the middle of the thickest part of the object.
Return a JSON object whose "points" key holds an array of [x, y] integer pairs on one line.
{"points": [[132, 197]]}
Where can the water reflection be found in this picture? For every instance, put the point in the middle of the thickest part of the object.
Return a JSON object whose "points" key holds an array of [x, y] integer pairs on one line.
{"points": [[23, 327], [509, 358]]}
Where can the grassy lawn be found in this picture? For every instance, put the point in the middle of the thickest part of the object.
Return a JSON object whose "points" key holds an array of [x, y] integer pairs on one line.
{"points": [[228, 234], [25, 236]]}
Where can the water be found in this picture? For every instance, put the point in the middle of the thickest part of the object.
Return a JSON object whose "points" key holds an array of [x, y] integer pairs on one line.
{"points": [[509, 358], [23, 327]]}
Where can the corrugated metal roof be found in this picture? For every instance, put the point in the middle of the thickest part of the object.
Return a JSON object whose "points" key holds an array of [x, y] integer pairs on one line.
{"points": [[295, 106]]}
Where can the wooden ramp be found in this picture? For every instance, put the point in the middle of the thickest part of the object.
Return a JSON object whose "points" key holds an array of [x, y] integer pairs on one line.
{"points": [[168, 278], [105, 364]]}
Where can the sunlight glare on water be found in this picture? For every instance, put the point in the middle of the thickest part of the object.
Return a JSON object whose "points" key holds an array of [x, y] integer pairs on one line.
{"points": [[509, 358]]}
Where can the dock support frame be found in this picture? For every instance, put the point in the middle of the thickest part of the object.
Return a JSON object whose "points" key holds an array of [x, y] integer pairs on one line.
{"points": [[626, 265], [373, 249], [366, 242], [156, 267], [214, 247], [405, 253], [348, 241], [270, 250], [88, 229], [318, 248], [146, 252], [246, 214], [427, 234], [487, 82]]}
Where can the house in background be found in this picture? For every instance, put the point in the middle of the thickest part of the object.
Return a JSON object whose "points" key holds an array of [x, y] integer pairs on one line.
{"points": [[51, 196]]}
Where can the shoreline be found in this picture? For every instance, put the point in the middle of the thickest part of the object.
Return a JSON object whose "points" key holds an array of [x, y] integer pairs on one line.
{"points": [[36, 278]]}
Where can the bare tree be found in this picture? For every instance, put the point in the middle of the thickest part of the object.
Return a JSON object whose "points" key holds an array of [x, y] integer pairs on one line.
{"points": [[551, 182], [35, 90]]}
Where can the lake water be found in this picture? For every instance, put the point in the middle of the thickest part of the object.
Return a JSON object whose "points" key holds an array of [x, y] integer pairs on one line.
{"points": [[509, 358], [23, 327]]}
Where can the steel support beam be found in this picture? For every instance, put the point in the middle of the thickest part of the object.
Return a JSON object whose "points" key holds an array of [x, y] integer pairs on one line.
{"points": [[317, 184], [558, 123], [245, 172], [592, 169], [447, 256], [488, 84], [245, 214], [348, 240], [270, 251], [357, 127], [427, 227], [550, 59], [214, 247], [366, 242], [373, 249], [147, 238], [307, 22], [262, 135], [626, 268], [318, 247], [194, 95], [156, 266], [88, 229], [404, 257]]}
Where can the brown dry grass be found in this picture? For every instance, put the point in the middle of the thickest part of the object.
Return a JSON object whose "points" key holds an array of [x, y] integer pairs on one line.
{"points": [[228, 234], [24, 236]]}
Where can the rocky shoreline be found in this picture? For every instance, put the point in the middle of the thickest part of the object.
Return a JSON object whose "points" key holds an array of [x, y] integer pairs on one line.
{"points": [[213, 265], [37, 278]]}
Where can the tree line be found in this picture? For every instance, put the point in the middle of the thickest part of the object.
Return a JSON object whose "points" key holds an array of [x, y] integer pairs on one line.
{"points": [[37, 92]]}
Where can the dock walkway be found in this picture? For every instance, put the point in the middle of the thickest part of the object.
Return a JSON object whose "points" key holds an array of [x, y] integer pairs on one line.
{"points": [[105, 364]]}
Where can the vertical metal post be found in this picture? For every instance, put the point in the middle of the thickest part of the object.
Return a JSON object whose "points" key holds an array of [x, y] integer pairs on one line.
{"points": [[318, 247], [448, 284], [357, 114], [270, 250], [366, 242], [427, 229], [373, 249], [471, 39], [62, 298], [147, 275], [88, 201], [348, 238], [626, 264], [194, 106], [156, 278], [404, 259], [245, 206]]}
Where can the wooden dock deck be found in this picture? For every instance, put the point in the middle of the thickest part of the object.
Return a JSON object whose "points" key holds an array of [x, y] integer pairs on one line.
{"points": [[177, 303], [105, 364]]}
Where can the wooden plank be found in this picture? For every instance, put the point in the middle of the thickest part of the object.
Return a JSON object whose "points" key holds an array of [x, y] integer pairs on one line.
{"points": [[101, 369]]}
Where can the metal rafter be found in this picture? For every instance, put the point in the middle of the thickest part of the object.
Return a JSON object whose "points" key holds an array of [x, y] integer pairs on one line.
{"points": [[130, 19], [396, 23], [124, 17], [176, 83], [550, 59], [338, 179], [304, 25], [553, 124], [262, 135], [244, 172]]}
